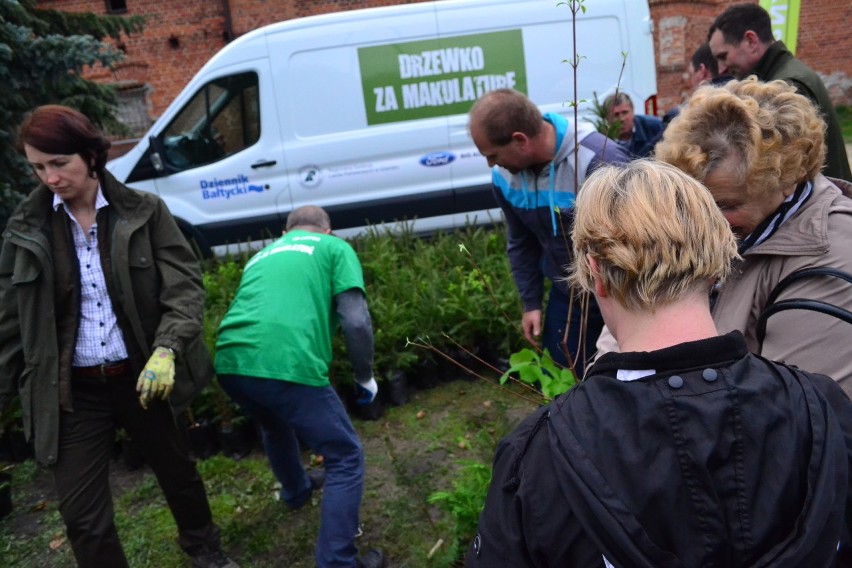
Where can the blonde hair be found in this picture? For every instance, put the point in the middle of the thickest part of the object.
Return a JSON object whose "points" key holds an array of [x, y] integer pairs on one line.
{"points": [[654, 232], [776, 136]]}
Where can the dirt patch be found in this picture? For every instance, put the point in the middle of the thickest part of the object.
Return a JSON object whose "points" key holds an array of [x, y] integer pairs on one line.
{"points": [[411, 452]]}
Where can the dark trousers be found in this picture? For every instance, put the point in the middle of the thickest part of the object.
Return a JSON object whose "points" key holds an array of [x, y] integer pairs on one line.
{"points": [[81, 474]]}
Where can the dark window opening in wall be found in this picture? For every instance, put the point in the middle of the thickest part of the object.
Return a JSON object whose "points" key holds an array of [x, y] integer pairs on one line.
{"points": [[116, 6], [133, 109]]}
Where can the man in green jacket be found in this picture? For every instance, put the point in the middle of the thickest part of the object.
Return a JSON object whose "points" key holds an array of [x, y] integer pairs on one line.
{"points": [[741, 40], [273, 357]]}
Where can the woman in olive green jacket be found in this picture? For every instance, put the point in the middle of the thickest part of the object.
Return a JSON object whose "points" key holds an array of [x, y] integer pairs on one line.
{"points": [[101, 310], [159, 284]]}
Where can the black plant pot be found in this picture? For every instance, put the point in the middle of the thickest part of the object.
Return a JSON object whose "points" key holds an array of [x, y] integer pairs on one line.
{"points": [[236, 440], [493, 359], [19, 449], [5, 494], [372, 411], [467, 365], [448, 371], [426, 375], [202, 438], [131, 455], [397, 388]]}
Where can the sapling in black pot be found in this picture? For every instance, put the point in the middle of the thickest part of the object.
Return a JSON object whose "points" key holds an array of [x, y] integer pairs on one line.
{"points": [[5, 493]]}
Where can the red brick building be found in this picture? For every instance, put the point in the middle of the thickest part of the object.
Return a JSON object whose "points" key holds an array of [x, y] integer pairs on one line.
{"points": [[180, 37]]}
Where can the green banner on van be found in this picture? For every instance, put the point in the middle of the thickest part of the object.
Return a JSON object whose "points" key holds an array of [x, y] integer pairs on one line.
{"points": [[785, 20], [438, 77]]}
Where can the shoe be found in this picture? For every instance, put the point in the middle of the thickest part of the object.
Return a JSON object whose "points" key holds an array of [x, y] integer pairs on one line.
{"points": [[373, 559], [213, 560], [317, 477]]}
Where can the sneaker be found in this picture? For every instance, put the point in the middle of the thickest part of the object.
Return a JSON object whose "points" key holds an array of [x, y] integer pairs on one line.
{"points": [[373, 559], [213, 560]]}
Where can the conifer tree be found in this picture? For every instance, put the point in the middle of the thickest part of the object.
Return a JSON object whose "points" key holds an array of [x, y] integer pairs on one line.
{"points": [[42, 57]]}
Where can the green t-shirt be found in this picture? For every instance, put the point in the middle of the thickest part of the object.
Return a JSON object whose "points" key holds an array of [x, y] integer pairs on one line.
{"points": [[280, 324]]}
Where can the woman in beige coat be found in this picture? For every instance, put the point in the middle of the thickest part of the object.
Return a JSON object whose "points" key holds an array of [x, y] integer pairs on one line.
{"points": [[759, 148]]}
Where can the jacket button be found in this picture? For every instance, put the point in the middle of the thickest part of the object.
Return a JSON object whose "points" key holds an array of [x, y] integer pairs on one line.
{"points": [[709, 375], [142, 259], [675, 382]]}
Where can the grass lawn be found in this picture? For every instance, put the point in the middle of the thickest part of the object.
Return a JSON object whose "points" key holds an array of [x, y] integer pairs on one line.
{"points": [[413, 451]]}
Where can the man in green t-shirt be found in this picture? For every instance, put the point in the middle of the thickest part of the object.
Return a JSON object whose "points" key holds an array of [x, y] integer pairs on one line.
{"points": [[273, 357]]}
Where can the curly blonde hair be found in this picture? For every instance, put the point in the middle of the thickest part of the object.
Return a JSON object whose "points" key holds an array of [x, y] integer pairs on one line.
{"points": [[776, 135], [654, 232]]}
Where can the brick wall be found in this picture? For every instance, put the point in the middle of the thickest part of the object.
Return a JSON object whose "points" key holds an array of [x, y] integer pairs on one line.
{"points": [[680, 26], [180, 37], [826, 44]]}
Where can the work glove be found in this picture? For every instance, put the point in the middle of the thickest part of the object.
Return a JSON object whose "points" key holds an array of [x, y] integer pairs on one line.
{"points": [[158, 377], [367, 391]]}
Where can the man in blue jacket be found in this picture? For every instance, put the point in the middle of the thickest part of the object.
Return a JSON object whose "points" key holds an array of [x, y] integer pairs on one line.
{"points": [[538, 163], [637, 132]]}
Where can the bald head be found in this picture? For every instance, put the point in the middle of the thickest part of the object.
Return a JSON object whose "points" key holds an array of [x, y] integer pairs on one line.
{"points": [[309, 218]]}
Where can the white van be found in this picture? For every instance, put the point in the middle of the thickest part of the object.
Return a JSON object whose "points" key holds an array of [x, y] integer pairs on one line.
{"points": [[364, 112]]}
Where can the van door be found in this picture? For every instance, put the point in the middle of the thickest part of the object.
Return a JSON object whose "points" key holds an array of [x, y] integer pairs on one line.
{"points": [[356, 146], [221, 157]]}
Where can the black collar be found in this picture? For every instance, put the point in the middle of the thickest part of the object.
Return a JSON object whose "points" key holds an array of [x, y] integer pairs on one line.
{"points": [[715, 351]]}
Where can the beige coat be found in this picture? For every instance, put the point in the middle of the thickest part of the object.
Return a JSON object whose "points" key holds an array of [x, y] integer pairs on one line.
{"points": [[819, 235]]}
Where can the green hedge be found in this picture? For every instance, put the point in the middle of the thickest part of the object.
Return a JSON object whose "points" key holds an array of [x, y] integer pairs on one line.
{"points": [[451, 288]]}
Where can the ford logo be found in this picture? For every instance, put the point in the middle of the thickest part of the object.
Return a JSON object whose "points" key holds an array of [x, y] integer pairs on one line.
{"points": [[437, 159]]}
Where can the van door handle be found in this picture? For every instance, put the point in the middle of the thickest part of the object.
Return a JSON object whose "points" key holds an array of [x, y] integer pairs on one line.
{"points": [[263, 164]]}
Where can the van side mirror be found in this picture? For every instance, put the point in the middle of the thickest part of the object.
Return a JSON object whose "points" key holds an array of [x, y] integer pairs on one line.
{"points": [[156, 149]]}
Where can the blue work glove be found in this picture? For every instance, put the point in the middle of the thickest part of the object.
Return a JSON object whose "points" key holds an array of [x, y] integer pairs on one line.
{"points": [[367, 391]]}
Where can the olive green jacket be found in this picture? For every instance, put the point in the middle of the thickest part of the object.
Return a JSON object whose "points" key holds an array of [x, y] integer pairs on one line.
{"points": [[157, 285], [779, 63]]}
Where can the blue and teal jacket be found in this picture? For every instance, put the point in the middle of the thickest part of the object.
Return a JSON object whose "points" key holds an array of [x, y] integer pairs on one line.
{"points": [[539, 208]]}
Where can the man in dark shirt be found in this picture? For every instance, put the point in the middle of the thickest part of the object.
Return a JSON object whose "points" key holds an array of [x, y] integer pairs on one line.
{"points": [[742, 42]]}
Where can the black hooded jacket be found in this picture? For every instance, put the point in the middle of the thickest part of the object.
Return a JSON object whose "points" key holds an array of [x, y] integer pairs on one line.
{"points": [[717, 459]]}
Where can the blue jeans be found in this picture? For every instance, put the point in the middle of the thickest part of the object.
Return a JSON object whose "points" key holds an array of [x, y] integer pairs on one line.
{"points": [[316, 415], [555, 320]]}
